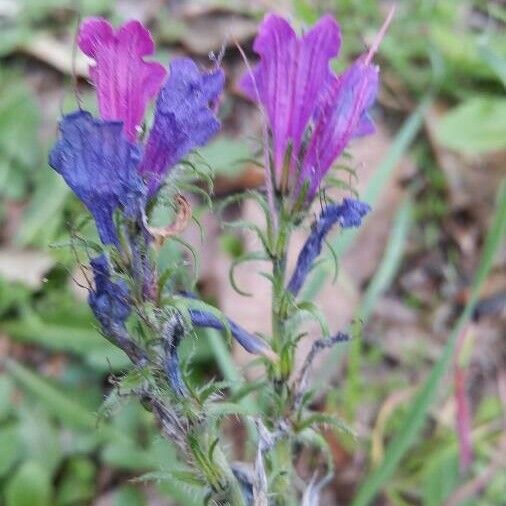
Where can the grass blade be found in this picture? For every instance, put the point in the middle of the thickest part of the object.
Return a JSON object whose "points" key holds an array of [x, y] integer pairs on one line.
{"points": [[417, 413]]}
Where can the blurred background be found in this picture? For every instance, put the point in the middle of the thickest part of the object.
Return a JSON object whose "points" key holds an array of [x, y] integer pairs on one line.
{"points": [[423, 384]]}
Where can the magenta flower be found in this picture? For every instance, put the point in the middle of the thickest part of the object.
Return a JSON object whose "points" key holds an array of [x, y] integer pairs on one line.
{"points": [[312, 113], [103, 160], [125, 82]]}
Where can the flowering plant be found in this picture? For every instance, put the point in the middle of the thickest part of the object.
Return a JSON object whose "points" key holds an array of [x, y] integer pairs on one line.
{"points": [[118, 172]]}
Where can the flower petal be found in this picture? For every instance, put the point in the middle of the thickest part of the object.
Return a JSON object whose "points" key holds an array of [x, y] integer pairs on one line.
{"points": [[99, 165], [125, 82], [250, 342], [348, 214], [343, 116], [290, 76], [183, 118]]}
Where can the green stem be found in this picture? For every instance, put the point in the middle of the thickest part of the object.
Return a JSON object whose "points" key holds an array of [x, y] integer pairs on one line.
{"points": [[214, 465], [282, 455]]}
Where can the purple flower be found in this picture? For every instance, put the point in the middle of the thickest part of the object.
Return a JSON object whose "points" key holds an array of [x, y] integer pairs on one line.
{"points": [[250, 342], [289, 78], [99, 165], [183, 118], [312, 113], [101, 160], [125, 82], [348, 214]]}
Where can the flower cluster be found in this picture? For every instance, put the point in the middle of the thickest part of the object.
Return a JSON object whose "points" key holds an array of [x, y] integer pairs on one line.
{"points": [[103, 160], [312, 112], [116, 167]]}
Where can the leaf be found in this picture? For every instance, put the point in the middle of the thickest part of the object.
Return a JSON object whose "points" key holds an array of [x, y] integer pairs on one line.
{"points": [[252, 256], [19, 119], [417, 411], [70, 412], [6, 392], [325, 420], [83, 341], [30, 486], [39, 437], [440, 476], [476, 126], [316, 313], [77, 484], [129, 496], [126, 455], [44, 213], [222, 409], [11, 448]]}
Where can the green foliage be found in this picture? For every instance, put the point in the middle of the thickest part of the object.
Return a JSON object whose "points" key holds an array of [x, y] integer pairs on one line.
{"points": [[416, 415], [19, 149], [30, 486], [476, 126]]}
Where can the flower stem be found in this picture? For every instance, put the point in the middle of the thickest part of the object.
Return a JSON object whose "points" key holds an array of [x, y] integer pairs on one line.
{"points": [[282, 454]]}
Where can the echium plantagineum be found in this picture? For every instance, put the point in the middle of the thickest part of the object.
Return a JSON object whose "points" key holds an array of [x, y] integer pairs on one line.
{"points": [[117, 170]]}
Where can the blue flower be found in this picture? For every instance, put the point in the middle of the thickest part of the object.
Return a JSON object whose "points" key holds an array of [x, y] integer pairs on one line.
{"points": [[99, 165], [250, 342], [348, 214]]}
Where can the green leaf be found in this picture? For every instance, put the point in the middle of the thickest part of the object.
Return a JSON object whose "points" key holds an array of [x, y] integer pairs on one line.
{"points": [[126, 455], [44, 213], [77, 484], [417, 411], [6, 393], [129, 496], [66, 409], [83, 341], [11, 448], [325, 420], [476, 126], [40, 437], [30, 486], [221, 409], [440, 476]]}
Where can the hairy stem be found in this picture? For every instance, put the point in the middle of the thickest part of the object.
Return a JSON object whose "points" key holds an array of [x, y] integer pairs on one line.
{"points": [[281, 454]]}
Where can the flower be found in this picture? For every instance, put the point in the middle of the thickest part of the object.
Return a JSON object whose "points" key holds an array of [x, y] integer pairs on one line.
{"points": [[250, 342], [312, 113], [348, 214], [103, 160], [183, 118], [125, 83], [99, 165]]}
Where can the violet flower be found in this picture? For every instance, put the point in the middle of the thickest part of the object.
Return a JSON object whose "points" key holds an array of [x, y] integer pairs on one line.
{"points": [[125, 83], [250, 342], [348, 214], [102, 160], [312, 113]]}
